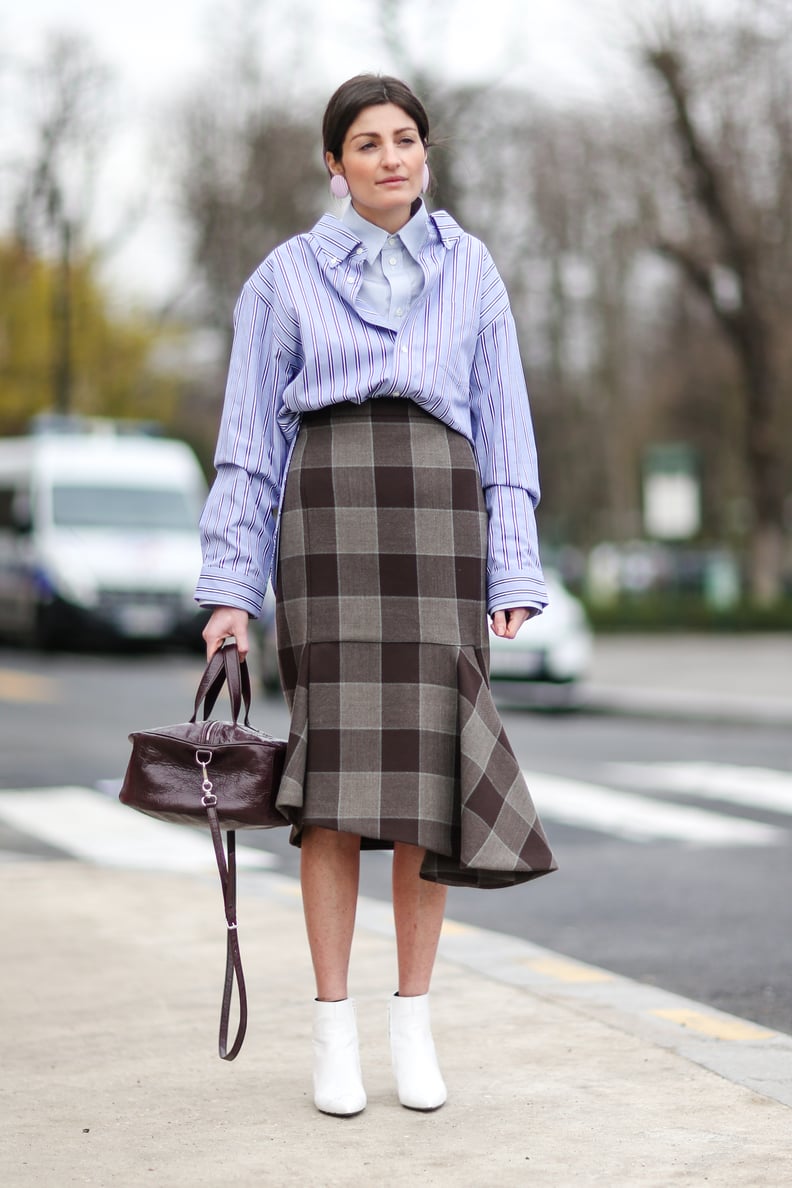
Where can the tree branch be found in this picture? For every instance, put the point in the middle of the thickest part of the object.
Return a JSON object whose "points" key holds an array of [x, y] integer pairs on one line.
{"points": [[710, 187]]}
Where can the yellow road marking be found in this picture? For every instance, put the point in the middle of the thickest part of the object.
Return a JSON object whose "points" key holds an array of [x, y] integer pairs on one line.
{"points": [[26, 686], [566, 971], [725, 1029]]}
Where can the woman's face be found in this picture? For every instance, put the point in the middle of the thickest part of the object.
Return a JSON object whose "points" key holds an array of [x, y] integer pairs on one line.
{"points": [[382, 160]]}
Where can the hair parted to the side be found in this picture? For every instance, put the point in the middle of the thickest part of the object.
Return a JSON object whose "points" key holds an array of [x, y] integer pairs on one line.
{"points": [[368, 90]]}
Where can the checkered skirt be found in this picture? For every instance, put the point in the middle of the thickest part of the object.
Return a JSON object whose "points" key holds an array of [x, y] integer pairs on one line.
{"points": [[382, 644]]}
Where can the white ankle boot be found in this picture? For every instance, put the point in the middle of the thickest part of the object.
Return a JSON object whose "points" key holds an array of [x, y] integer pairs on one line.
{"points": [[418, 1079], [338, 1088]]}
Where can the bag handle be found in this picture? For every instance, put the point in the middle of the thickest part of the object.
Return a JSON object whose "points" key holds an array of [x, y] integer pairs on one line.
{"points": [[225, 667]]}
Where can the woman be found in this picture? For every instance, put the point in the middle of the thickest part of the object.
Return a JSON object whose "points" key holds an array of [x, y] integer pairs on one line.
{"points": [[376, 421]]}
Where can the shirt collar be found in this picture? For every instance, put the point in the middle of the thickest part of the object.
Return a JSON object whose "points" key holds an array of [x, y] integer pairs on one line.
{"points": [[373, 238], [413, 234], [334, 241]]}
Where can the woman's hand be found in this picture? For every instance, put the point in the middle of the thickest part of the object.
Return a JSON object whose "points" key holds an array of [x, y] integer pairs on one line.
{"points": [[506, 623], [226, 621]]}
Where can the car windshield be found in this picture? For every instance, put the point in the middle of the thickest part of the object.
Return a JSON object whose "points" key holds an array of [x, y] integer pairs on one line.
{"points": [[146, 508]]}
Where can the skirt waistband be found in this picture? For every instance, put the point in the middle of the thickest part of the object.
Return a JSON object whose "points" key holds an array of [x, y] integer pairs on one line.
{"points": [[388, 408]]}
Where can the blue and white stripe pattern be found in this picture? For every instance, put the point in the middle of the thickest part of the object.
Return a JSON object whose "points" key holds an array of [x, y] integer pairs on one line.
{"points": [[301, 344]]}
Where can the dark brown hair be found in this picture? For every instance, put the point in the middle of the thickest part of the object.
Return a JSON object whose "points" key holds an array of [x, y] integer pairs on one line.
{"points": [[368, 90]]}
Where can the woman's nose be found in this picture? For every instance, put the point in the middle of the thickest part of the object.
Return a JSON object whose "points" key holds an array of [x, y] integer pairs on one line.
{"points": [[390, 155]]}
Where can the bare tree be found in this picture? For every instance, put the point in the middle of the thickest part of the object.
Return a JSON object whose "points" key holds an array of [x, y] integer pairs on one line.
{"points": [[246, 161], [547, 195], [55, 184], [728, 94], [244, 189]]}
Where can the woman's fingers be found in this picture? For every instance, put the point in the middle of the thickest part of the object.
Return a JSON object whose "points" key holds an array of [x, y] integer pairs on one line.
{"points": [[506, 623], [223, 622], [499, 622]]}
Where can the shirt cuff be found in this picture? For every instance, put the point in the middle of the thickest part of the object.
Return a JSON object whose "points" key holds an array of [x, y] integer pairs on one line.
{"points": [[218, 589], [510, 590], [533, 607]]}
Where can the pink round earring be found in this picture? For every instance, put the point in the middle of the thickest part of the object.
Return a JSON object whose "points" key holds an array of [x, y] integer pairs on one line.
{"points": [[426, 179], [338, 186]]}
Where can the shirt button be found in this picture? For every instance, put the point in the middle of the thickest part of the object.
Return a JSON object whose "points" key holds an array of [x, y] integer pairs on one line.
{"points": [[392, 260], [360, 251], [404, 350], [399, 313], [391, 240]]}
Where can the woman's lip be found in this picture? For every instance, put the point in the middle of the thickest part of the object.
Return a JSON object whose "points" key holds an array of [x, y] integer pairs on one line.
{"points": [[390, 181]]}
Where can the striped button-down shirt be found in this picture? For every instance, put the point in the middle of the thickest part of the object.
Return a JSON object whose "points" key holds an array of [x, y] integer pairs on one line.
{"points": [[301, 343]]}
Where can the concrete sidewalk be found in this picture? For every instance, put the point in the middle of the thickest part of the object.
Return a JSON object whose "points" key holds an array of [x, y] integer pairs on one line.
{"points": [[717, 677], [558, 1074]]}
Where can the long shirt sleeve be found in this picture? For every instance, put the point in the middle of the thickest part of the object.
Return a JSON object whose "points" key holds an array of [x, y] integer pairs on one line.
{"points": [[503, 441], [239, 519]]}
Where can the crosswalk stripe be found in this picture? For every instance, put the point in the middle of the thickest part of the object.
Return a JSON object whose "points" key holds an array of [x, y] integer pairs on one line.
{"points": [[753, 787], [638, 818], [90, 826]]}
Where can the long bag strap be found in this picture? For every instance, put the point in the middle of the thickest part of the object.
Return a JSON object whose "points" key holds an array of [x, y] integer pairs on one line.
{"points": [[233, 969], [225, 666]]}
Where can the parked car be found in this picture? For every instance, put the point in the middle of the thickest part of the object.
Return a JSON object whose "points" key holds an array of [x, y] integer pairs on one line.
{"points": [[99, 536], [554, 647]]}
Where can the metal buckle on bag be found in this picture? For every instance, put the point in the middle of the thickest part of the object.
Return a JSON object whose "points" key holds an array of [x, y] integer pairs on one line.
{"points": [[203, 757]]}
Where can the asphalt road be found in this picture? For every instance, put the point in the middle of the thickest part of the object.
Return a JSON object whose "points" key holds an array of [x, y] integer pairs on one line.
{"points": [[674, 839]]}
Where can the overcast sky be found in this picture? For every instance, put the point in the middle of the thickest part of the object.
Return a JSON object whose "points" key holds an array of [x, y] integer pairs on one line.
{"points": [[156, 43], [560, 48]]}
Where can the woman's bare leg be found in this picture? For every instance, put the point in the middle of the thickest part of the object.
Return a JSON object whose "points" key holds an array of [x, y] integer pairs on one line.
{"points": [[329, 873], [418, 909]]}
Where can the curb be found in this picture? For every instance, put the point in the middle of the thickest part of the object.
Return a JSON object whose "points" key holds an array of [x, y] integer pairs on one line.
{"points": [[736, 1049], [682, 705], [641, 702]]}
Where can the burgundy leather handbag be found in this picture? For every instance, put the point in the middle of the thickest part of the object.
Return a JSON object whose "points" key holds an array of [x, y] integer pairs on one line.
{"points": [[220, 775]]}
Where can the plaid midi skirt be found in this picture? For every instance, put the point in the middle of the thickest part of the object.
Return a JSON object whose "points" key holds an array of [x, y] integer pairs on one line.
{"points": [[383, 652]]}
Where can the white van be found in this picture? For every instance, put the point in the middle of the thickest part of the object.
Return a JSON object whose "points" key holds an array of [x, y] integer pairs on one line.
{"points": [[99, 536]]}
